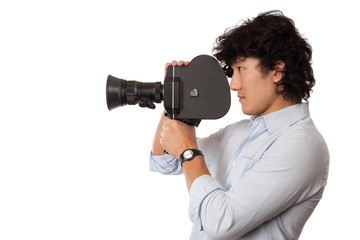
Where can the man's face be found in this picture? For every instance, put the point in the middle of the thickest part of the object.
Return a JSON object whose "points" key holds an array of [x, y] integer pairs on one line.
{"points": [[256, 90]]}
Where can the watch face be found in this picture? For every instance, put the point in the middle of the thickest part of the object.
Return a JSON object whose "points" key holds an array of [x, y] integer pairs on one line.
{"points": [[188, 154]]}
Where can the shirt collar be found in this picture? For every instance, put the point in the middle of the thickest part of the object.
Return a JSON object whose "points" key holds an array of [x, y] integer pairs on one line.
{"points": [[285, 117]]}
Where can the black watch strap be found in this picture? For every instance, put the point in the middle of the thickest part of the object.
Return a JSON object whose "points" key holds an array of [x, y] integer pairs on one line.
{"points": [[189, 155]]}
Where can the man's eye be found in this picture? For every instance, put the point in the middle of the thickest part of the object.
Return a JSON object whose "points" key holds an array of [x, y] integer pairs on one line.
{"points": [[240, 68]]}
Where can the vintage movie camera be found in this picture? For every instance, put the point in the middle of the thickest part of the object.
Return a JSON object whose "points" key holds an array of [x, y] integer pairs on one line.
{"points": [[190, 93]]}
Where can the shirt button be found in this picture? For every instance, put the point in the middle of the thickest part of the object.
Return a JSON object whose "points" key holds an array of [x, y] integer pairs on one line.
{"points": [[233, 164]]}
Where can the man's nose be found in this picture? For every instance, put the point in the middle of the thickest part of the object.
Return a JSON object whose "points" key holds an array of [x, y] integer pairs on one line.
{"points": [[235, 84]]}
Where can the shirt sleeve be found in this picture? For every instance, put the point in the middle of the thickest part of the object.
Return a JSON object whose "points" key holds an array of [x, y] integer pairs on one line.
{"points": [[289, 172], [165, 164]]}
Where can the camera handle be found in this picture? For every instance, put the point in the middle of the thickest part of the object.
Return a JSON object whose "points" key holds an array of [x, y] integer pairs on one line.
{"points": [[191, 122]]}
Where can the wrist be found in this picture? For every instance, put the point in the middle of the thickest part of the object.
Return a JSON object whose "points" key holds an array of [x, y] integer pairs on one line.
{"points": [[189, 154], [194, 169], [184, 148]]}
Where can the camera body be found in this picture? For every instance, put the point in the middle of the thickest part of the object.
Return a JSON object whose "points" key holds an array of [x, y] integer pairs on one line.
{"points": [[197, 91], [190, 93]]}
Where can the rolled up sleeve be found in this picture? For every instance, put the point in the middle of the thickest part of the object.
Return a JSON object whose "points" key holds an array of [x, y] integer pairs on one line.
{"points": [[200, 189], [165, 164]]}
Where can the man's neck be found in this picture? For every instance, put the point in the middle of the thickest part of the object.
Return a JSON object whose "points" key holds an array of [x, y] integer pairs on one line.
{"points": [[278, 104]]}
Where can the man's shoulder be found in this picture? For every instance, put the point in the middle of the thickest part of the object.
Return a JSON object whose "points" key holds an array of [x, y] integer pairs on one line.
{"points": [[305, 128], [305, 133], [237, 126]]}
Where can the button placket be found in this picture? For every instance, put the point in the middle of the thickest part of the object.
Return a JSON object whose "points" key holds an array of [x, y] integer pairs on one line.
{"points": [[254, 132]]}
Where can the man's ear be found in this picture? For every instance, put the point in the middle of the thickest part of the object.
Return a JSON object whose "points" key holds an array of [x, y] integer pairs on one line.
{"points": [[279, 71]]}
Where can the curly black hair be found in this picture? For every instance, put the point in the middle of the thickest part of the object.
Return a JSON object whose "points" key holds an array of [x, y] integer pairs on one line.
{"points": [[271, 37]]}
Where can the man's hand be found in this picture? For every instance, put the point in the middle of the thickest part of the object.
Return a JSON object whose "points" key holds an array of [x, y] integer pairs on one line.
{"points": [[175, 63], [177, 136]]}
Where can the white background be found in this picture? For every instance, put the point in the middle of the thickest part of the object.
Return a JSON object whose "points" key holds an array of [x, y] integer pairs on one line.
{"points": [[70, 169]]}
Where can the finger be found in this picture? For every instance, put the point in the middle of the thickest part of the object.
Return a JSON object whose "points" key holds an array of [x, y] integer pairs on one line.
{"points": [[175, 63], [167, 65], [180, 63]]}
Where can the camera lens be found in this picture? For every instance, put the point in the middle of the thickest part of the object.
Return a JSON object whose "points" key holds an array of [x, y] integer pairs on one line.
{"points": [[120, 92]]}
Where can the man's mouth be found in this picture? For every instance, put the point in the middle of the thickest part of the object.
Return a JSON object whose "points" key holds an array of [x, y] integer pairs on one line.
{"points": [[241, 97]]}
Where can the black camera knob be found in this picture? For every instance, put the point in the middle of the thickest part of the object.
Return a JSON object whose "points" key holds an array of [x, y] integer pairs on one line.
{"points": [[144, 102]]}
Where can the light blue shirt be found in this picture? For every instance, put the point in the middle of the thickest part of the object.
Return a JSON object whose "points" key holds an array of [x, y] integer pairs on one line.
{"points": [[267, 176]]}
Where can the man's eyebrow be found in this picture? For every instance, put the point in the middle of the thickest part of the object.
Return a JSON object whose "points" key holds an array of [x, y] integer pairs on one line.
{"points": [[239, 60]]}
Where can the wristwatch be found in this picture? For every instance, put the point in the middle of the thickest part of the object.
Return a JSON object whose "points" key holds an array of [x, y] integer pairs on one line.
{"points": [[189, 155]]}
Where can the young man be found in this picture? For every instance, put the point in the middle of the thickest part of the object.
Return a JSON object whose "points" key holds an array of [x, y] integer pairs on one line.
{"points": [[259, 178]]}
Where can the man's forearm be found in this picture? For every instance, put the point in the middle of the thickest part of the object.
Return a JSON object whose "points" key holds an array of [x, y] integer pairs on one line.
{"points": [[194, 169], [176, 136]]}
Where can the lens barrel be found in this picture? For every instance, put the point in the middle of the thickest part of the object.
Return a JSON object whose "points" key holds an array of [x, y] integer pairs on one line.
{"points": [[120, 92]]}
